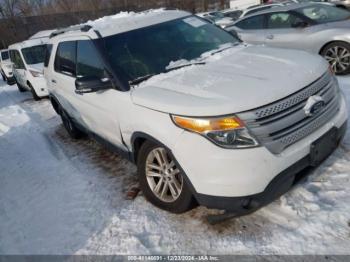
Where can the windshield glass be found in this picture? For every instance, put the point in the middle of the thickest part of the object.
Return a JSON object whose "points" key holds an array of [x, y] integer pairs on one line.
{"points": [[4, 55], [34, 55], [322, 13], [150, 50]]}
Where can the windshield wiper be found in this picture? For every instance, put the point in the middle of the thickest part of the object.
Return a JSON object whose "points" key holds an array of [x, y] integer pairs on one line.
{"points": [[224, 48], [184, 65], [140, 79]]}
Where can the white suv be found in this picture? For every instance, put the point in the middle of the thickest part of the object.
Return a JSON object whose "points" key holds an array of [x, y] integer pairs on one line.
{"points": [[28, 64], [207, 119], [6, 67]]}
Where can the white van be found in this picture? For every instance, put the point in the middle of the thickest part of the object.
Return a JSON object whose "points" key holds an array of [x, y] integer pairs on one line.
{"points": [[6, 67], [28, 64]]}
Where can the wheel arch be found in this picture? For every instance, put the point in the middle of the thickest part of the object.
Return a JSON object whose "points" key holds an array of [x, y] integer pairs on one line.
{"points": [[139, 138], [55, 104], [330, 42]]}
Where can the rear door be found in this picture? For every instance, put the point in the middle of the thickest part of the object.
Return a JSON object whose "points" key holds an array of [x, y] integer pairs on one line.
{"points": [[251, 29], [99, 109]]}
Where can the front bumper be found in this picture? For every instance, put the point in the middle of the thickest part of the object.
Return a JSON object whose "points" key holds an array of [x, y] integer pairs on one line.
{"points": [[224, 179], [40, 86], [11, 80], [277, 187]]}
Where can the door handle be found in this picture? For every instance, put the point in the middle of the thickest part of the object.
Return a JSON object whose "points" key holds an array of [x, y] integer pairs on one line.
{"points": [[270, 37], [54, 81]]}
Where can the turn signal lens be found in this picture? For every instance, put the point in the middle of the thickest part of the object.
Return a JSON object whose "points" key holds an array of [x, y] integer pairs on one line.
{"points": [[201, 125]]}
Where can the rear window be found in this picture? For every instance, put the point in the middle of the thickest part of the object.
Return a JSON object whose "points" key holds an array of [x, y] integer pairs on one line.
{"points": [[65, 61], [4, 55], [47, 55], [251, 23]]}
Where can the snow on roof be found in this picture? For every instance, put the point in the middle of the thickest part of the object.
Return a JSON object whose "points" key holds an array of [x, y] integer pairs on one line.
{"points": [[30, 43], [40, 34], [127, 21]]}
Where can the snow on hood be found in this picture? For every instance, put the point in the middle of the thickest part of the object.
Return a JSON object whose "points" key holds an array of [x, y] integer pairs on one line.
{"points": [[224, 21], [37, 67], [235, 80]]}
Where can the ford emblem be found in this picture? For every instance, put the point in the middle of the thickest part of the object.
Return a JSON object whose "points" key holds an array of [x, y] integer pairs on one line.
{"points": [[314, 105]]}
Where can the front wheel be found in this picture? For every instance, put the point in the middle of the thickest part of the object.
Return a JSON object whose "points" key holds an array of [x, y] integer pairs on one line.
{"points": [[161, 180], [69, 125], [34, 94], [20, 88], [338, 56]]}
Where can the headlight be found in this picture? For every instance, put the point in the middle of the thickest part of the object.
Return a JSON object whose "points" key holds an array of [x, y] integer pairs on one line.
{"points": [[36, 73], [227, 132], [9, 66]]}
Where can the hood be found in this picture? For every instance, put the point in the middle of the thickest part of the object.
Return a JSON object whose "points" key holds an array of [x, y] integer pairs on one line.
{"points": [[37, 67], [239, 79], [224, 21]]}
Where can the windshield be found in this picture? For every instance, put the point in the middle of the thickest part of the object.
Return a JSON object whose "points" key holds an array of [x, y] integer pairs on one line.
{"points": [[322, 13], [4, 55], [34, 55], [150, 50]]}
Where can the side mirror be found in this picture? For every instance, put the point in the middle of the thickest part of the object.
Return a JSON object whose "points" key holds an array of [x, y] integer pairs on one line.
{"points": [[90, 84], [301, 24]]}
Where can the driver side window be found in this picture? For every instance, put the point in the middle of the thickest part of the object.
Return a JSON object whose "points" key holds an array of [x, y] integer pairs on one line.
{"points": [[89, 62], [282, 20]]}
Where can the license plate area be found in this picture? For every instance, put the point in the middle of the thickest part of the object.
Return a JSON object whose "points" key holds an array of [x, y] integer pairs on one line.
{"points": [[323, 147]]}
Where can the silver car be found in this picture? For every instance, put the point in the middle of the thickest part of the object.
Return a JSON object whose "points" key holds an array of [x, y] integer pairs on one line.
{"points": [[314, 27]]}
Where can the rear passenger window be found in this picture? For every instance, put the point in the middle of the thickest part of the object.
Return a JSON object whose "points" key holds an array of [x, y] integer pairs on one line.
{"points": [[65, 61], [47, 55], [89, 62], [251, 23]]}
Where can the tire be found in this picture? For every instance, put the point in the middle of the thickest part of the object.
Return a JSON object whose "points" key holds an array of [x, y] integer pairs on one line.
{"points": [[69, 125], [32, 90], [3, 78], [338, 56], [175, 201], [20, 88]]}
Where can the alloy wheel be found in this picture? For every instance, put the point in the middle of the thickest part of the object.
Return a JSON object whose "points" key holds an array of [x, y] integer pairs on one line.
{"points": [[339, 58], [163, 176]]}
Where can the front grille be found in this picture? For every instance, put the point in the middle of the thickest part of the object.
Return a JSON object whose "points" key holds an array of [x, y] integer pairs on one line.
{"points": [[281, 124]]}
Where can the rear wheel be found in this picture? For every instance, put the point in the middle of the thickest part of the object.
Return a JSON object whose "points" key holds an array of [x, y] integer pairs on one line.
{"points": [[69, 125], [161, 180], [338, 56]]}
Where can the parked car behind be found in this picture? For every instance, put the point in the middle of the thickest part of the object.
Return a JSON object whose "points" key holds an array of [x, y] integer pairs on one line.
{"points": [[28, 64], [207, 119], [313, 27], [217, 18], [232, 13], [6, 67], [258, 8]]}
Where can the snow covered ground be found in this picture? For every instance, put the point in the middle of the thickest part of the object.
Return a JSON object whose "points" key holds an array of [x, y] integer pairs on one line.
{"points": [[60, 196]]}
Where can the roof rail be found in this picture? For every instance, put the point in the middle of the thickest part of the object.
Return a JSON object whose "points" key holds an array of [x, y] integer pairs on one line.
{"points": [[82, 28]]}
